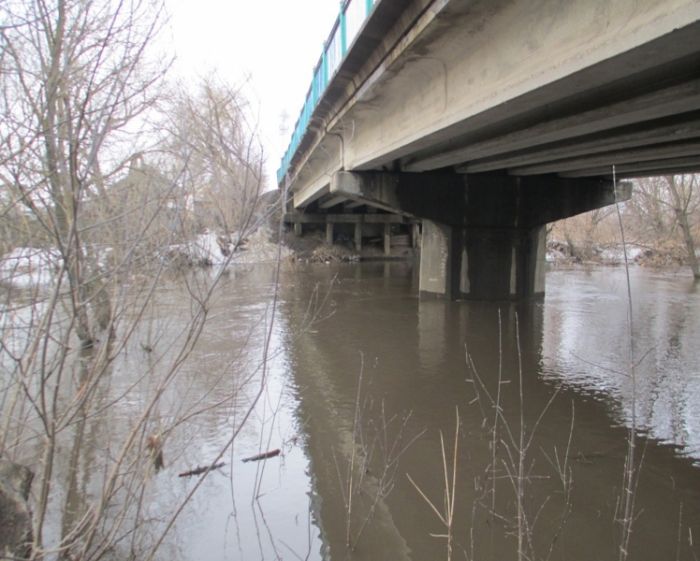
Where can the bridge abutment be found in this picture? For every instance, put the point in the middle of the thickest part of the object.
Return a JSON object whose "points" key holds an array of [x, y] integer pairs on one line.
{"points": [[483, 234]]}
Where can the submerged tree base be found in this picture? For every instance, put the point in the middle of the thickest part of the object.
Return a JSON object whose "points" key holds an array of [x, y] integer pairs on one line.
{"points": [[15, 515]]}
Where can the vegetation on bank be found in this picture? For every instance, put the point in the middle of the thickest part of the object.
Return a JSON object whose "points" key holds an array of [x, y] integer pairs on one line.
{"points": [[661, 222], [107, 166]]}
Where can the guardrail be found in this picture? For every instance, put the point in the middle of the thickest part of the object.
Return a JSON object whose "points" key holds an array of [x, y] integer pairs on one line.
{"points": [[353, 13]]}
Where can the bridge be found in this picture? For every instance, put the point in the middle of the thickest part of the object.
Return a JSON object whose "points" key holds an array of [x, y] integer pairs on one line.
{"points": [[488, 119]]}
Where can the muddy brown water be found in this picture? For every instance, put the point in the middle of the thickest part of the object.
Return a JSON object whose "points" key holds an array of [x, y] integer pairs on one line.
{"points": [[365, 379]]}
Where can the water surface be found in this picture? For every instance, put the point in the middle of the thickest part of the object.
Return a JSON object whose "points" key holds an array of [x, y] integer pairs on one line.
{"points": [[400, 420]]}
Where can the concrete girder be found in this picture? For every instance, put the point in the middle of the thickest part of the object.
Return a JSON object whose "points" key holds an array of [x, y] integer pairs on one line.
{"points": [[311, 193], [494, 85], [312, 218], [351, 205], [332, 201], [384, 35], [668, 166], [426, 78], [685, 128], [669, 101], [480, 199], [675, 150]]}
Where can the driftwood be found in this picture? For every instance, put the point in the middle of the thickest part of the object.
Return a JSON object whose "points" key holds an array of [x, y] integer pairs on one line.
{"points": [[154, 445], [263, 456], [201, 469]]}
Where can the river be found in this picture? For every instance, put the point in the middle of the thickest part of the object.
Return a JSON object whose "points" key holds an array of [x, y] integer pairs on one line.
{"points": [[401, 421]]}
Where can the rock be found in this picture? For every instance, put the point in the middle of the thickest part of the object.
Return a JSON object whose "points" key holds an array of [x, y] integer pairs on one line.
{"points": [[15, 516]]}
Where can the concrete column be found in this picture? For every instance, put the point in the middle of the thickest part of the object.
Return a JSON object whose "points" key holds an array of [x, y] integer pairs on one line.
{"points": [[297, 229], [358, 236], [415, 235], [435, 260], [387, 239], [329, 233], [482, 263]]}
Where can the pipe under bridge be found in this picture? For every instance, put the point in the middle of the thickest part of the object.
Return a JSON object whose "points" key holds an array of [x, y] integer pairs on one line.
{"points": [[487, 119]]}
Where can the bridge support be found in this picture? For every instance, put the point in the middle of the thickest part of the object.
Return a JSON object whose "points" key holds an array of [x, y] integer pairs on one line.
{"points": [[483, 234], [481, 263]]}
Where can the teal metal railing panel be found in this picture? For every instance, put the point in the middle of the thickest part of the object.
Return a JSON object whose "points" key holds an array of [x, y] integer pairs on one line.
{"points": [[353, 14]]}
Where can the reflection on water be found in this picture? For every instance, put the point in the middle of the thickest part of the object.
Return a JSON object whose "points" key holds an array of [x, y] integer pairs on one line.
{"points": [[559, 444], [586, 345], [364, 379]]}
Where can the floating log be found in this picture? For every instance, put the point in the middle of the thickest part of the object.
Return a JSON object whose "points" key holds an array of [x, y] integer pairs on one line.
{"points": [[263, 456], [201, 469]]}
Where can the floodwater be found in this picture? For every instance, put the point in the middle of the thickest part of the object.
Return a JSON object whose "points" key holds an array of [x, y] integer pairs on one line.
{"points": [[403, 421]]}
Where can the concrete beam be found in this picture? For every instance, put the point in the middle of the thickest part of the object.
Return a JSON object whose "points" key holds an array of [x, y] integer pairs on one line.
{"points": [[619, 139], [478, 200], [304, 218], [331, 202], [527, 202], [383, 37], [646, 169], [376, 189], [662, 103], [351, 205], [311, 193], [437, 196], [675, 150]]}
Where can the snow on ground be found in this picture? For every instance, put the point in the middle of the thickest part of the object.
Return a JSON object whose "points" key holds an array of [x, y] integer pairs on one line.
{"points": [[559, 252], [210, 248], [25, 267], [259, 249], [617, 254]]}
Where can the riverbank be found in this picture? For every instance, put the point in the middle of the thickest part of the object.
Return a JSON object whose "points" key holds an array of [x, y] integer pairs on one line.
{"points": [[560, 253], [24, 267]]}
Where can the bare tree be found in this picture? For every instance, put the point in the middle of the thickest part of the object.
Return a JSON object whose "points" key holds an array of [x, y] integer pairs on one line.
{"points": [[686, 202], [77, 86], [584, 232], [662, 216], [76, 78], [213, 141], [664, 211]]}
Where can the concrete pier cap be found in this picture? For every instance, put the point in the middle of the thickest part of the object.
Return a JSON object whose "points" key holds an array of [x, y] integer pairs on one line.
{"points": [[483, 234]]}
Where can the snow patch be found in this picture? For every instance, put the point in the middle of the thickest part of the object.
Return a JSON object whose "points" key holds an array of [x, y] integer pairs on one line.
{"points": [[26, 267], [209, 249]]}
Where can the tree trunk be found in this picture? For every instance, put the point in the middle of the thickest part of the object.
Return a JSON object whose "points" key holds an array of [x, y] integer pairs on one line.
{"points": [[680, 208]]}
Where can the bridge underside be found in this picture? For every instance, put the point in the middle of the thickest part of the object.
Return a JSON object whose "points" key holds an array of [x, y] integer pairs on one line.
{"points": [[484, 234], [489, 118]]}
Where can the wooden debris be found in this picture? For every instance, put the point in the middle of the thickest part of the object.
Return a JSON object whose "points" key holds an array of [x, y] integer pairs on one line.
{"points": [[154, 445], [201, 469], [263, 456]]}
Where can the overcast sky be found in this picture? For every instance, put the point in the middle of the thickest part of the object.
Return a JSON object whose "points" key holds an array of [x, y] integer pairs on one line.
{"points": [[275, 43]]}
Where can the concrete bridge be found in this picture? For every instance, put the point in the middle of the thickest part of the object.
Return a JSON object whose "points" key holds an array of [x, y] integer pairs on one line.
{"points": [[487, 119]]}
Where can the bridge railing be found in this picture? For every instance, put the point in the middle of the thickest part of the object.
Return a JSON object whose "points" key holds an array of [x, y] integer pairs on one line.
{"points": [[353, 14]]}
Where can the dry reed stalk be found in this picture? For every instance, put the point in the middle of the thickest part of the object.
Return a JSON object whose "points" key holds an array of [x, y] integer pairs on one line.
{"points": [[446, 517]]}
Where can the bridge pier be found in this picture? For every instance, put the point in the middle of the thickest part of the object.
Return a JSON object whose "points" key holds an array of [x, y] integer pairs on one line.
{"points": [[481, 263], [483, 234]]}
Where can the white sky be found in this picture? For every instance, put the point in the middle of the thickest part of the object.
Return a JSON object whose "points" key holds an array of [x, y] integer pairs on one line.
{"points": [[274, 42]]}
